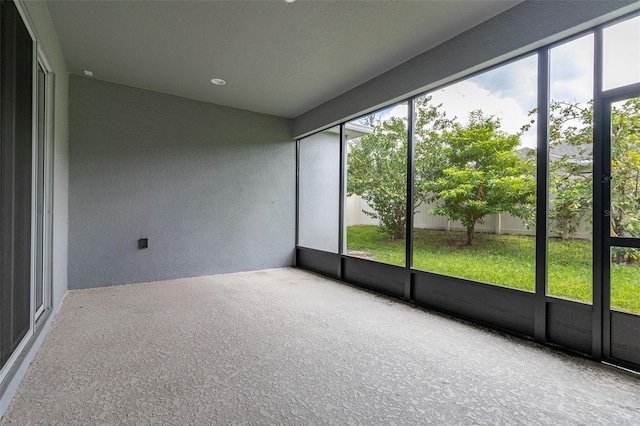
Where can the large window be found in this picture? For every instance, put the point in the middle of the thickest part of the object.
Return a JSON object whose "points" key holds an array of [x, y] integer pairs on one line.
{"points": [[570, 178], [524, 177], [376, 177], [475, 178]]}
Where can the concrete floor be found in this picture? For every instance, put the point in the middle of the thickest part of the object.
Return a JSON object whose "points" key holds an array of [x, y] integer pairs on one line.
{"points": [[289, 347]]}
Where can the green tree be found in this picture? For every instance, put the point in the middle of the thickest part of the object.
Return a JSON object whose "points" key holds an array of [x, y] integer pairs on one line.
{"points": [[377, 170], [430, 155], [482, 174], [570, 179], [377, 165], [570, 170], [625, 176]]}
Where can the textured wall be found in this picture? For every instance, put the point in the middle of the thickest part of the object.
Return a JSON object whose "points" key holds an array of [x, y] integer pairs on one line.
{"points": [[213, 188], [527, 25]]}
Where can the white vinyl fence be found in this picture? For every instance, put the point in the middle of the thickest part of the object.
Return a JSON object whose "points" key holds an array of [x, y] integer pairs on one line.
{"points": [[502, 223]]}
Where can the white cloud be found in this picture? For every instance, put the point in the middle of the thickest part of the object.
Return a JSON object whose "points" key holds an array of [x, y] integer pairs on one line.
{"points": [[510, 91], [462, 98], [398, 111], [622, 54], [571, 71], [517, 80]]}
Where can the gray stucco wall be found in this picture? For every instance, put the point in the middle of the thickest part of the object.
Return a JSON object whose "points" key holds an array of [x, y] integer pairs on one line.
{"points": [[526, 26], [212, 187]]}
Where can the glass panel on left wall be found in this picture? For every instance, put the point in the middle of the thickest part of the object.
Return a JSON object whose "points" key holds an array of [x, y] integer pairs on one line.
{"points": [[319, 191]]}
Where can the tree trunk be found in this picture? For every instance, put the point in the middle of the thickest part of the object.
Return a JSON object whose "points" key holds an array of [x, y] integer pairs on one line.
{"points": [[470, 234]]}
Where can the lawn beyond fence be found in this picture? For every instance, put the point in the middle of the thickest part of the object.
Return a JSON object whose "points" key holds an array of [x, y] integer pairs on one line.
{"points": [[507, 260]]}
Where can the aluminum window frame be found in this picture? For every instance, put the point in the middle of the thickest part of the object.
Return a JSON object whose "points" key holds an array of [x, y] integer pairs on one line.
{"points": [[600, 321]]}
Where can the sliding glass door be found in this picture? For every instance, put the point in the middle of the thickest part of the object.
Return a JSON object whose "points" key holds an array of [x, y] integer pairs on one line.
{"points": [[16, 168], [25, 184]]}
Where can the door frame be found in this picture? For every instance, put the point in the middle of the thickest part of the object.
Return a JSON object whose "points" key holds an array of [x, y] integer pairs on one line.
{"points": [[602, 202]]}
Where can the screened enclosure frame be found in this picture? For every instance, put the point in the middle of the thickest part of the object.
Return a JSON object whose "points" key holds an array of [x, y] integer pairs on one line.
{"points": [[577, 326]]}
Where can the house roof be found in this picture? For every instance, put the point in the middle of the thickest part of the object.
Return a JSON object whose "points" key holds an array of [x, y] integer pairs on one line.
{"points": [[277, 58]]}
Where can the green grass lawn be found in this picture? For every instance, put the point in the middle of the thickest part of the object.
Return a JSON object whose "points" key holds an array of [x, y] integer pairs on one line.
{"points": [[506, 260]]}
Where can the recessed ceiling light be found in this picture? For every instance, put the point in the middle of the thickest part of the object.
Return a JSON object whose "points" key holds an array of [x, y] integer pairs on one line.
{"points": [[89, 73], [289, 1], [218, 81]]}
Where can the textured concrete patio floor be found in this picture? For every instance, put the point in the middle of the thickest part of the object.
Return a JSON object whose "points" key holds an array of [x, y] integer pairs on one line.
{"points": [[288, 347]]}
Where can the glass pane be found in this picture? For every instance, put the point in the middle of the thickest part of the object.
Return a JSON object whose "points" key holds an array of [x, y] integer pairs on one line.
{"points": [[475, 182], [16, 170], [625, 279], [571, 170], [621, 54], [625, 168], [319, 206], [40, 189], [375, 207]]}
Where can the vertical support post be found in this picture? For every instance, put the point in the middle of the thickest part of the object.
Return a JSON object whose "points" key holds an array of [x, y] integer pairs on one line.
{"points": [[598, 202], [605, 245], [295, 251], [410, 196], [343, 193], [542, 198]]}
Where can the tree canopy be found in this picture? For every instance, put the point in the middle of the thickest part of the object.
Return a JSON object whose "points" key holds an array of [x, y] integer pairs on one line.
{"points": [[571, 177], [625, 176], [570, 170], [377, 164], [482, 174], [471, 170], [377, 171]]}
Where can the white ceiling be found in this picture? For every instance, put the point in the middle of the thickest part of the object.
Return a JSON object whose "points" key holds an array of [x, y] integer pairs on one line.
{"points": [[277, 58]]}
